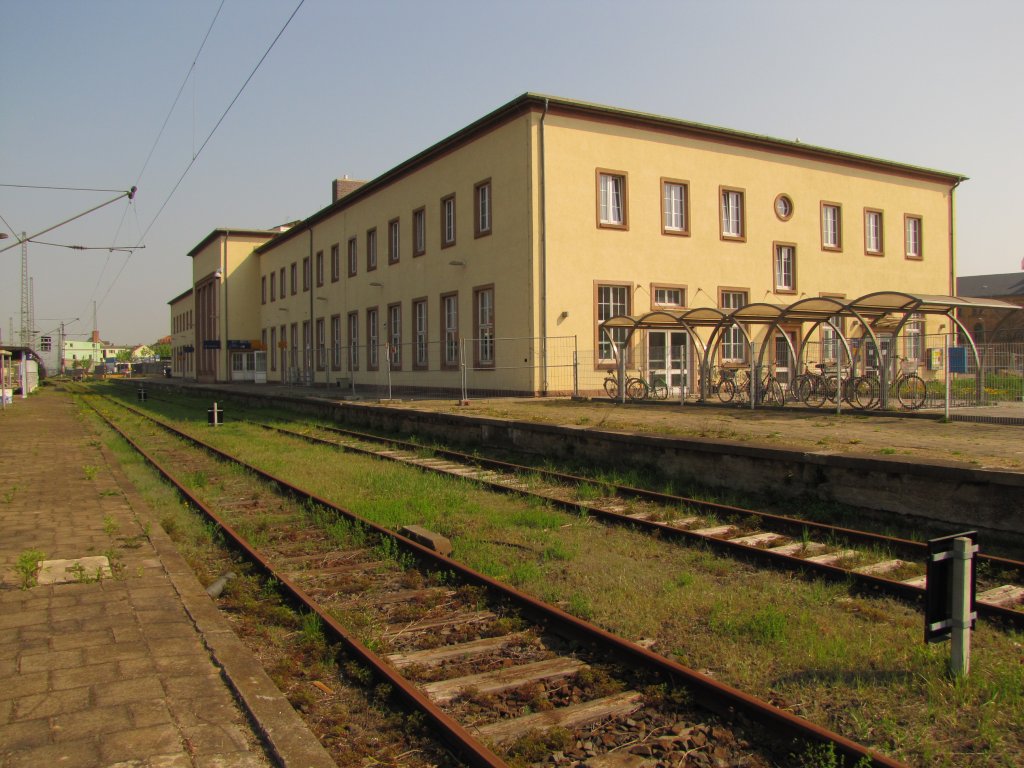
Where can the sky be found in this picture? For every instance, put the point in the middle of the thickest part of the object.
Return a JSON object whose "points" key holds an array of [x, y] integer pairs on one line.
{"points": [[355, 88]]}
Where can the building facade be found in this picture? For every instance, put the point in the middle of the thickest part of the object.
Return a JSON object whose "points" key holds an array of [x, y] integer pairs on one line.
{"points": [[501, 249]]}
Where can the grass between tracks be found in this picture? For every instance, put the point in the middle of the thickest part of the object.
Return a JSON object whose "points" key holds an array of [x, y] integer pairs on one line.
{"points": [[851, 663]]}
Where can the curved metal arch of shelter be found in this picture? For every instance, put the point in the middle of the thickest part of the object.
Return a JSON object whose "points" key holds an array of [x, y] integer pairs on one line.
{"points": [[867, 310]]}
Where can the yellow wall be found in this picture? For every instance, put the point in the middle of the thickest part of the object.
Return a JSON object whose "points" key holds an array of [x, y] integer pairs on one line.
{"points": [[581, 254], [503, 258]]}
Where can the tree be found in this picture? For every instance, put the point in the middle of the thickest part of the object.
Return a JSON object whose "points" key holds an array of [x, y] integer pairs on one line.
{"points": [[124, 356], [163, 351]]}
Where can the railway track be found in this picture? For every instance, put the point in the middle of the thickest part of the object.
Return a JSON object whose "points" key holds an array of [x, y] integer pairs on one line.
{"points": [[488, 666], [873, 562]]}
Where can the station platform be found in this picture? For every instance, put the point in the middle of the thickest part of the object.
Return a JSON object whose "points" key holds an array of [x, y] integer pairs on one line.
{"points": [[125, 666]]}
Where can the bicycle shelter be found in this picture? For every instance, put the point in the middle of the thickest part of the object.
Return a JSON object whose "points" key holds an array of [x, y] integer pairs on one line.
{"points": [[869, 316]]}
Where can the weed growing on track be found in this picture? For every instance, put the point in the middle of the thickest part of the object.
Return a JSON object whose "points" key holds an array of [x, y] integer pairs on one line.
{"points": [[853, 663]]}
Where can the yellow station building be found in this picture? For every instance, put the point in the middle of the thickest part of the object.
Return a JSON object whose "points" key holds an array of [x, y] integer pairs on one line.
{"points": [[491, 258]]}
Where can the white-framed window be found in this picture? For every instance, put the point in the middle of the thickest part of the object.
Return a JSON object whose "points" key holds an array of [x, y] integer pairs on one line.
{"points": [[873, 242], [611, 199], [831, 227], [319, 268], [829, 343], [912, 226], [353, 341], [419, 314], [912, 348], [394, 244], [272, 351], [482, 208], [307, 345], [665, 296], [307, 271], [484, 331], [335, 263], [335, 342], [372, 339], [450, 321], [395, 335], [612, 300], [785, 267], [674, 207], [448, 221], [734, 345], [371, 250], [294, 278], [353, 257], [732, 213], [419, 232], [321, 344]]}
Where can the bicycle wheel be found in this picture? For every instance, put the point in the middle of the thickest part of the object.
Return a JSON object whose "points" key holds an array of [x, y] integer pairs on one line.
{"points": [[727, 390], [636, 389], [659, 390], [864, 392], [611, 387], [773, 394], [912, 391], [814, 392]]}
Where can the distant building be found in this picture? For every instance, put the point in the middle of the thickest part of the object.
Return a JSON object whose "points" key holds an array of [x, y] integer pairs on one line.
{"points": [[987, 325]]}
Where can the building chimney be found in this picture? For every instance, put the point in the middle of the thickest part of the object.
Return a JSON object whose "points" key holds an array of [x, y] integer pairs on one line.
{"points": [[343, 186]]}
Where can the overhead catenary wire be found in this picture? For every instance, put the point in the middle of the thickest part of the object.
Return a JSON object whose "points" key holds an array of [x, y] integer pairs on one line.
{"points": [[203, 145]]}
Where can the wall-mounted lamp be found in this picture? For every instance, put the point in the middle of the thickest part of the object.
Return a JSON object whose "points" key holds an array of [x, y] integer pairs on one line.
{"points": [[457, 263], [217, 275], [565, 314]]}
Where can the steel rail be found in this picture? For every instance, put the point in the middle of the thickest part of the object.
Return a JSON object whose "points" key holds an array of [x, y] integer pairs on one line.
{"points": [[475, 753], [783, 523], [717, 696], [864, 582]]}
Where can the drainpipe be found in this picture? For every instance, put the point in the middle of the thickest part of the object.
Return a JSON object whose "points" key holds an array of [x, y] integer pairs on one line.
{"points": [[543, 264], [308, 355], [952, 242], [224, 282]]}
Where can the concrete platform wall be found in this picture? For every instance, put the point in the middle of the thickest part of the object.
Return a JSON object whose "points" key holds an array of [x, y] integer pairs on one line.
{"points": [[944, 492]]}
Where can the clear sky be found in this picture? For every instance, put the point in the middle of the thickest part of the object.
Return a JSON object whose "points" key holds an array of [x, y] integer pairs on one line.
{"points": [[357, 87]]}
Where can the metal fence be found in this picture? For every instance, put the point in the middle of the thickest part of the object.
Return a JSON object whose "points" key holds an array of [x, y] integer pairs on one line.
{"points": [[461, 368]]}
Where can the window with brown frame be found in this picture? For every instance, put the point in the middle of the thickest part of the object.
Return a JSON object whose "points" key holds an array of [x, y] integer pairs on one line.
{"points": [[371, 249], [335, 342], [395, 335], [612, 300], [321, 345], [734, 345], [419, 232], [450, 330], [353, 341], [784, 267], [263, 289], [394, 243], [448, 221], [372, 339], [913, 236], [483, 327], [295, 279], [675, 207], [306, 274], [272, 351], [319, 268], [874, 238], [612, 199], [831, 226], [335, 263], [419, 331], [733, 213], [353, 257], [668, 296], [482, 208]]}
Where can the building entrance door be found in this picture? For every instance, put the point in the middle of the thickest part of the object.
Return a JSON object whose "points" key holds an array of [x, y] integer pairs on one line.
{"points": [[668, 355]]}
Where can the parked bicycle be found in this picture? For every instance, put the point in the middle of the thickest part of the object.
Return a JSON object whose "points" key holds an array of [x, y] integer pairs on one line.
{"points": [[637, 387], [908, 388], [736, 384]]}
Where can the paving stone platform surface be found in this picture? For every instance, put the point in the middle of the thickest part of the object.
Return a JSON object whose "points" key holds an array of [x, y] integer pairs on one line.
{"points": [[129, 671]]}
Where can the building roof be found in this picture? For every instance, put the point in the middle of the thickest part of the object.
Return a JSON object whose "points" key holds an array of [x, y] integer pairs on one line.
{"points": [[1010, 284], [265, 233], [535, 102], [180, 296]]}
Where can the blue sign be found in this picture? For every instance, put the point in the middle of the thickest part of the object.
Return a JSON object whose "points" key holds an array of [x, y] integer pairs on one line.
{"points": [[958, 359], [211, 343], [239, 344]]}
